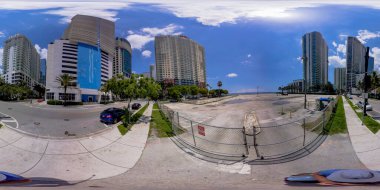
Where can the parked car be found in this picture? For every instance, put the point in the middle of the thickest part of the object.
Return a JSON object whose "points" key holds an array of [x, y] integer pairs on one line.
{"points": [[136, 106], [368, 106], [111, 115]]}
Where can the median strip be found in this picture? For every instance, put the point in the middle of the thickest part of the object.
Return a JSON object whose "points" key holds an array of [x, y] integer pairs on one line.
{"points": [[135, 117], [368, 121]]}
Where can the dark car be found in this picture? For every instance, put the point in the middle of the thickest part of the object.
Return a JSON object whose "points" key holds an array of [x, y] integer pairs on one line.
{"points": [[111, 115], [136, 106]]}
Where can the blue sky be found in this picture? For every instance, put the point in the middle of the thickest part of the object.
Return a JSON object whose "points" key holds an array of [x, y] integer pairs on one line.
{"points": [[247, 43]]}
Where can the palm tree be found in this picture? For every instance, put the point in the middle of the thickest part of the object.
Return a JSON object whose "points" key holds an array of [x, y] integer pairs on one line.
{"points": [[65, 80], [219, 85]]}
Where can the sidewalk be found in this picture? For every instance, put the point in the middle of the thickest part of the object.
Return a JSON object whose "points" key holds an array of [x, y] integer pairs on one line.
{"points": [[99, 156], [365, 143]]}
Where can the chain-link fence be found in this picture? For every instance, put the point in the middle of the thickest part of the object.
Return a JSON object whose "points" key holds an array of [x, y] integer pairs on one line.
{"points": [[280, 138], [223, 142], [269, 140]]}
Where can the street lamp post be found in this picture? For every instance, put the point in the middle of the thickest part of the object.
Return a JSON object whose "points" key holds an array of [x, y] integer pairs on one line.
{"points": [[365, 82]]}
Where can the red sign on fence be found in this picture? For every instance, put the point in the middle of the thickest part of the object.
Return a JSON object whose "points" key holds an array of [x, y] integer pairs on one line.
{"points": [[201, 130]]}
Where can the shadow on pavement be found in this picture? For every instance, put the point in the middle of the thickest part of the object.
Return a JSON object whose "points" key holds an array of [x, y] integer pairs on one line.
{"points": [[43, 182]]}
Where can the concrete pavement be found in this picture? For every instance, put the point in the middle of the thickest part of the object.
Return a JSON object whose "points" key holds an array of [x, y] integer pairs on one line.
{"points": [[365, 143], [100, 156]]}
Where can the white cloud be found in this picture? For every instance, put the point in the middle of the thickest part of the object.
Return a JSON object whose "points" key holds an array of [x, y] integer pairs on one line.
{"points": [[337, 61], [140, 38], [341, 49], [249, 55], [364, 35], [299, 59], [375, 52], [138, 41], [68, 9], [130, 32], [146, 53], [2, 34], [334, 44], [1, 60], [343, 36], [41, 51], [207, 12], [231, 75]]}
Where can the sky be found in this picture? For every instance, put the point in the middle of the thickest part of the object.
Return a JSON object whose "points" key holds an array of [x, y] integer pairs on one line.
{"points": [[249, 44]]}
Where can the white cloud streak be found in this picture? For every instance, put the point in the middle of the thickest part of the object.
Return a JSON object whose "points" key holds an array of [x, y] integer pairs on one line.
{"points": [[364, 35], [337, 61], [139, 39], [146, 53], [231, 75], [207, 12], [41, 51]]}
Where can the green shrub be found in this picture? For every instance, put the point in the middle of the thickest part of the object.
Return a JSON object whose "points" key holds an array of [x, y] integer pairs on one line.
{"points": [[55, 102]]}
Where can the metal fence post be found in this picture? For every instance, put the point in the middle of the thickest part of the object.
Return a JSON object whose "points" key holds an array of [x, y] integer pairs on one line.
{"points": [[245, 142], [192, 132], [178, 119], [323, 120], [304, 131]]}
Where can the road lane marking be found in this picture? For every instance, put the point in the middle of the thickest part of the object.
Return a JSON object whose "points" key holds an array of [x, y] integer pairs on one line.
{"points": [[8, 121]]}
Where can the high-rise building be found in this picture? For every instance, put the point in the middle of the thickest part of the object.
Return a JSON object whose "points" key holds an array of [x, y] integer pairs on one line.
{"points": [[340, 79], [86, 53], [315, 58], [43, 72], [21, 61], [355, 62], [371, 64], [122, 62], [152, 71], [180, 60]]}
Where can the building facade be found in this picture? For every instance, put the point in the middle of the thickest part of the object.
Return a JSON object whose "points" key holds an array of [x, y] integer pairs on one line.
{"points": [[315, 60], [43, 72], [122, 62], [355, 62], [21, 61], [180, 61], [340, 79], [152, 71], [371, 64], [83, 56]]}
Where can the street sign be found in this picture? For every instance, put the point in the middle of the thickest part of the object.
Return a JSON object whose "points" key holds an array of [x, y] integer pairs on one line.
{"points": [[201, 130], [365, 95]]}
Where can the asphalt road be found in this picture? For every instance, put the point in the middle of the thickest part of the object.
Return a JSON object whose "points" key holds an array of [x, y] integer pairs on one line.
{"points": [[55, 121]]}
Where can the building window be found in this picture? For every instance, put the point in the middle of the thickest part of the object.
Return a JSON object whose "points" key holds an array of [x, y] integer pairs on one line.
{"points": [[50, 95], [69, 97]]}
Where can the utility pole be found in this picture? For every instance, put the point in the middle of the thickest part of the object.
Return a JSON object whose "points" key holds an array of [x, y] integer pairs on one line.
{"points": [[365, 96]]}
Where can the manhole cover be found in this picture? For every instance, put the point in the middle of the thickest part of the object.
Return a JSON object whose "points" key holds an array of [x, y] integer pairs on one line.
{"points": [[9, 108], [37, 123], [66, 119]]}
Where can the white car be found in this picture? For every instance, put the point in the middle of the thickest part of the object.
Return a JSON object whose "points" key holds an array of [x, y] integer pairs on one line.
{"points": [[368, 106]]}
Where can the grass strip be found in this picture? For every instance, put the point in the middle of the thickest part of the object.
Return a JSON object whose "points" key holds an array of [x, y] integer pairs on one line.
{"points": [[337, 124], [135, 117], [368, 121], [160, 123]]}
